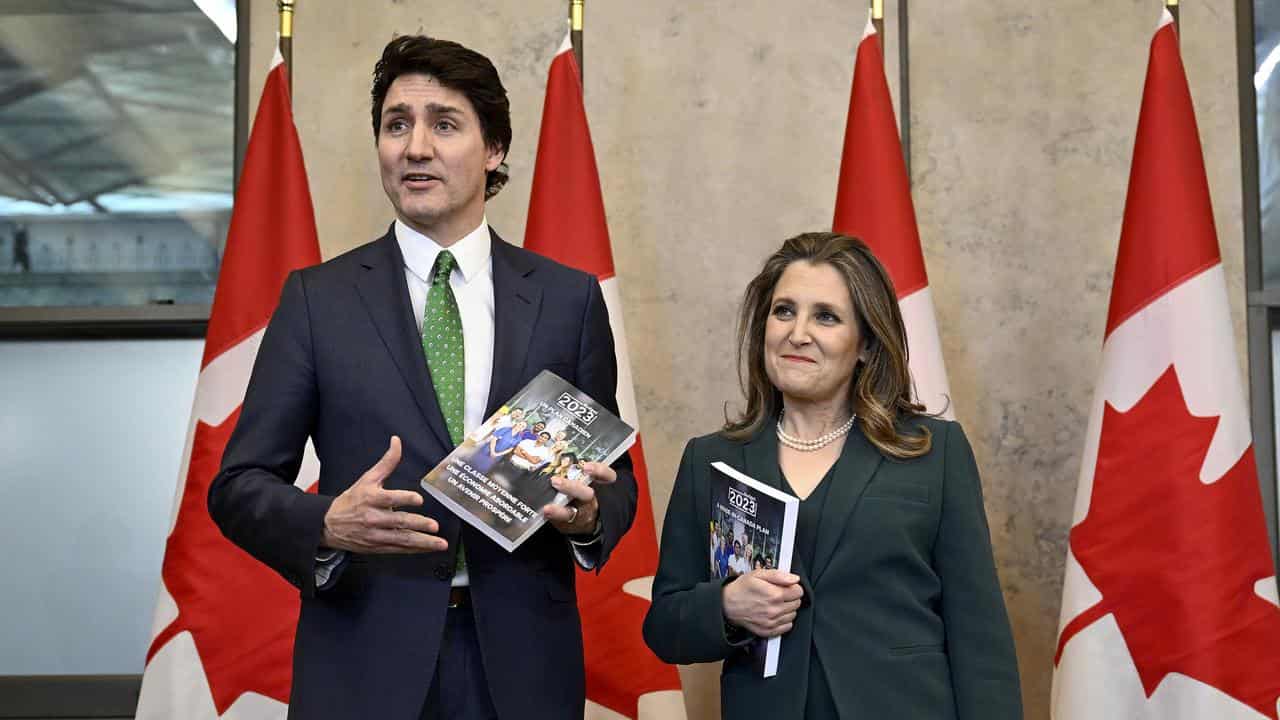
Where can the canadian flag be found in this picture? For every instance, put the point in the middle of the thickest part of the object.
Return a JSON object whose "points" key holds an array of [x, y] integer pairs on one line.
{"points": [[222, 638], [567, 223], [1169, 606], [873, 204]]}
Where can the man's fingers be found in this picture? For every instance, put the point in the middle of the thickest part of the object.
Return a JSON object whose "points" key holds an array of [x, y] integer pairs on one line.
{"points": [[421, 523], [388, 462], [600, 472], [405, 541], [398, 498], [557, 513], [575, 489]]}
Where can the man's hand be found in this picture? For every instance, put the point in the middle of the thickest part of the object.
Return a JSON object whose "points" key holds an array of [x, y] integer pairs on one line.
{"points": [[581, 521], [363, 519], [764, 602]]}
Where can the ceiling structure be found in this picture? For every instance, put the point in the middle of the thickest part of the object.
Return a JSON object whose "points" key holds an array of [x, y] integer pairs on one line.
{"points": [[114, 106]]}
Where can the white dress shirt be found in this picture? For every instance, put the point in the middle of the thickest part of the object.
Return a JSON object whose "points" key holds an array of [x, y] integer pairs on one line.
{"points": [[472, 283]]}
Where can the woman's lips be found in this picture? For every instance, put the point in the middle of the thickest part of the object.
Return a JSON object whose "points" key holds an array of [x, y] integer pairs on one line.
{"points": [[800, 359]]}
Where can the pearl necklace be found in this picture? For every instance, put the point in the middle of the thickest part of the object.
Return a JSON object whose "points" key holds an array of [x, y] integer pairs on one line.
{"points": [[818, 443]]}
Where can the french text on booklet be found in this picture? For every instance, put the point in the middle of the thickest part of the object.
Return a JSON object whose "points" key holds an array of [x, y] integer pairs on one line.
{"points": [[500, 477]]}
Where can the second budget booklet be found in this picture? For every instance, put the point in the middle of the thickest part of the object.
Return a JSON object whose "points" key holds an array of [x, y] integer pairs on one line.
{"points": [[753, 527], [499, 478]]}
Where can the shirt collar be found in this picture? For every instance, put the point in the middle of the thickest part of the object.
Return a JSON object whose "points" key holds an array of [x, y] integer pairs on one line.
{"points": [[420, 251]]}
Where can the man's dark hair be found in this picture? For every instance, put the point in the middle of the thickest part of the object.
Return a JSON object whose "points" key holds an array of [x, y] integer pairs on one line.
{"points": [[457, 68]]}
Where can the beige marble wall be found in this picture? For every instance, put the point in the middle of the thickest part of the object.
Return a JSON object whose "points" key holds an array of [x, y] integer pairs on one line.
{"points": [[717, 128]]}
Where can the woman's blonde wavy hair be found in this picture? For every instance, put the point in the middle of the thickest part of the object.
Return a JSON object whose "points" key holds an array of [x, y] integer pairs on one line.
{"points": [[880, 393]]}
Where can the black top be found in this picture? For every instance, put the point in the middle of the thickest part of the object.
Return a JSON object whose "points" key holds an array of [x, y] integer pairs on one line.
{"points": [[818, 700]]}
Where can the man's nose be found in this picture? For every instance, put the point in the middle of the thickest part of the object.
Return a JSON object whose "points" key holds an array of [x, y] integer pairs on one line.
{"points": [[421, 143]]}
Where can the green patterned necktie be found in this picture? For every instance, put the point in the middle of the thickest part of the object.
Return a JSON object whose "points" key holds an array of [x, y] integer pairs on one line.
{"points": [[442, 343]]}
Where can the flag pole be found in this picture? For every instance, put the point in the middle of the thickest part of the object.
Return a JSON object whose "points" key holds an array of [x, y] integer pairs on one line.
{"points": [[877, 19], [1172, 7], [575, 32], [285, 8]]}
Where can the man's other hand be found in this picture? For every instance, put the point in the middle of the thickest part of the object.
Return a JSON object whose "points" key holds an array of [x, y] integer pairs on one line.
{"points": [[364, 518]]}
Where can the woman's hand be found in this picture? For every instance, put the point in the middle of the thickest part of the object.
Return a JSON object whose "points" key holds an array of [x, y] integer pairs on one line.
{"points": [[764, 602]]}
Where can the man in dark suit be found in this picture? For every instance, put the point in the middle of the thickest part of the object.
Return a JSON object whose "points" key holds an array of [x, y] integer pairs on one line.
{"points": [[397, 349]]}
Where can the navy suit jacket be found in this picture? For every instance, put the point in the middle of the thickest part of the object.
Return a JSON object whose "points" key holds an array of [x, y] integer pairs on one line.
{"points": [[341, 363]]}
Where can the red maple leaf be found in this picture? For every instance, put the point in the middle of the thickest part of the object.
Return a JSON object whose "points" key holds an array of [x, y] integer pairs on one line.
{"points": [[1176, 560], [241, 614]]}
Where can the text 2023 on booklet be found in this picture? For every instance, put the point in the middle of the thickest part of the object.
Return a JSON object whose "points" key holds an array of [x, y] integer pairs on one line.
{"points": [[753, 526], [499, 478]]}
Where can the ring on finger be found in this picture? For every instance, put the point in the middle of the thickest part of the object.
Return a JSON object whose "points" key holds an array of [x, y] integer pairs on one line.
{"points": [[574, 516]]}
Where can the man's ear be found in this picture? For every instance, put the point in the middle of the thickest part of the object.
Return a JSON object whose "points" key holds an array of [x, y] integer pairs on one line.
{"points": [[496, 155]]}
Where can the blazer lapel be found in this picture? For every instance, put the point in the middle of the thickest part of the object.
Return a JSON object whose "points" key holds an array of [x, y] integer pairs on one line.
{"points": [[857, 464], [516, 300], [385, 294], [760, 458]]}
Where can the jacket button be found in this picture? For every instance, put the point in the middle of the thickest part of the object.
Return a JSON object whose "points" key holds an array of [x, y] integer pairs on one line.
{"points": [[444, 571]]}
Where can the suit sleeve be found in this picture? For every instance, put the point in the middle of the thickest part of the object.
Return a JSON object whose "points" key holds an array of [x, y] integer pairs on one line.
{"points": [[984, 665], [253, 499], [685, 623], [598, 377]]}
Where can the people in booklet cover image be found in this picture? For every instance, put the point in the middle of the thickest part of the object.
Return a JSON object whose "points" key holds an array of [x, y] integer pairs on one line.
{"points": [[500, 443], [384, 358], [892, 607]]}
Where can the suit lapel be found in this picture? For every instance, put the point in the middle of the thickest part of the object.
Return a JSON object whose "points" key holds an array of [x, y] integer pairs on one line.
{"points": [[516, 300], [857, 464], [385, 294], [760, 458]]}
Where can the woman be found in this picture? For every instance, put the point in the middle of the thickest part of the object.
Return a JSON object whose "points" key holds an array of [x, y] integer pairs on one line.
{"points": [[500, 444], [892, 608]]}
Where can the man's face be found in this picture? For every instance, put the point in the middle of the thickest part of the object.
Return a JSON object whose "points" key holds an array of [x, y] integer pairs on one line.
{"points": [[433, 158]]}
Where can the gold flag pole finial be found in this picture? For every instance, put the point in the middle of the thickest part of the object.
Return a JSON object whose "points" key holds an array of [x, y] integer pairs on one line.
{"points": [[877, 18], [286, 18], [285, 8], [575, 32], [1172, 7]]}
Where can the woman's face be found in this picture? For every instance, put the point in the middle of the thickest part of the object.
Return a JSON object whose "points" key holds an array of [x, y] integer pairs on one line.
{"points": [[811, 338]]}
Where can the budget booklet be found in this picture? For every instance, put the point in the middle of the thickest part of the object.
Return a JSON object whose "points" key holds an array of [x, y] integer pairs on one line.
{"points": [[753, 526], [499, 478]]}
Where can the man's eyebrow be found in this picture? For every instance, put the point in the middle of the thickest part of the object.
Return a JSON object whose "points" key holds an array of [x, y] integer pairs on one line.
{"points": [[442, 109], [431, 108], [397, 108]]}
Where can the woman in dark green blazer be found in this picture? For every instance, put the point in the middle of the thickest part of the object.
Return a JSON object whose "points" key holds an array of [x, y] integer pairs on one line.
{"points": [[892, 609]]}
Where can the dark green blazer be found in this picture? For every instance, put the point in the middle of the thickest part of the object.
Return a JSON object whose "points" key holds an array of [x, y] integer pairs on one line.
{"points": [[904, 610]]}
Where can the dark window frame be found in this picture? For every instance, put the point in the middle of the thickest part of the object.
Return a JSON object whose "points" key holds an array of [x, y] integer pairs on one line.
{"points": [[1263, 306]]}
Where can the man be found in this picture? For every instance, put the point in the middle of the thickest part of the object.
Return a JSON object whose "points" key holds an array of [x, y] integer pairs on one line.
{"points": [[532, 453], [394, 349]]}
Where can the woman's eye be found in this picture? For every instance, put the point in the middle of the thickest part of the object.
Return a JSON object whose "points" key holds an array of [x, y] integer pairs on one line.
{"points": [[827, 317], [783, 311]]}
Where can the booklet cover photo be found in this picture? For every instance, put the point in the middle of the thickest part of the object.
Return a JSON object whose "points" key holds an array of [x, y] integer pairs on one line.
{"points": [[753, 527], [499, 478]]}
